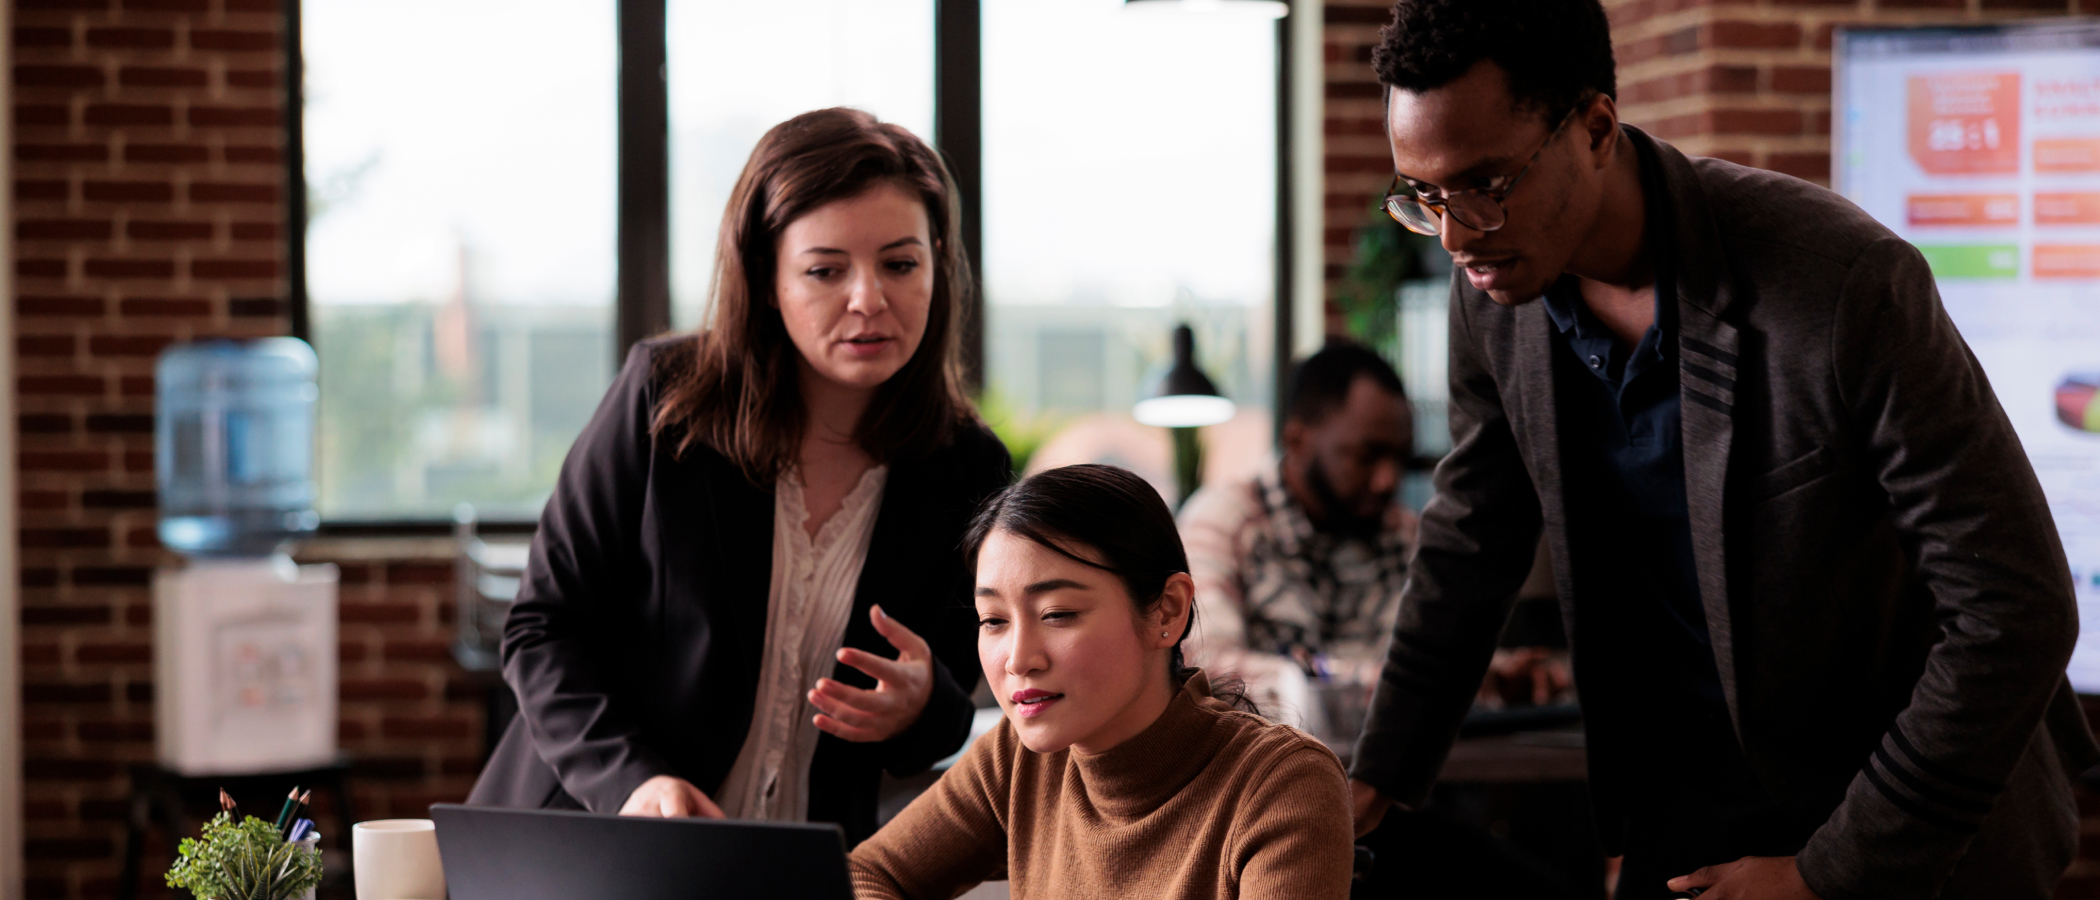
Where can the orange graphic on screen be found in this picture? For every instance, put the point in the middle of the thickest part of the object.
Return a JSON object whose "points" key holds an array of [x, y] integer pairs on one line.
{"points": [[1962, 210], [2066, 261], [2066, 155], [2067, 208], [1966, 123]]}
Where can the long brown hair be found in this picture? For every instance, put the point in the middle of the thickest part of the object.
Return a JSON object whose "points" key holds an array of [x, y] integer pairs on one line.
{"points": [[734, 390]]}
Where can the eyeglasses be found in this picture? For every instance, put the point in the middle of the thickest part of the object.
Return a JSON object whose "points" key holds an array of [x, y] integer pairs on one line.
{"points": [[1480, 208]]}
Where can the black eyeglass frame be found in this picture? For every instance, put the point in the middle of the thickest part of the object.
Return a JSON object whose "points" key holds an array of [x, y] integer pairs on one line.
{"points": [[1440, 205]]}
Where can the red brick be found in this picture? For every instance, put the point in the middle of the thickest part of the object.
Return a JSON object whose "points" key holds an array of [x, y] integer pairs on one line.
{"points": [[138, 38], [170, 5], [166, 153], [64, 461], [230, 40], [357, 689], [40, 268], [136, 386], [61, 385], [233, 268], [424, 727], [139, 691], [380, 613], [119, 499], [264, 6], [45, 345], [1811, 166], [254, 307], [1921, 4], [129, 268], [158, 76], [40, 190], [254, 78], [63, 230], [414, 650], [59, 76], [1801, 79], [62, 152], [2056, 6], [106, 653], [420, 573], [44, 423], [128, 344], [1752, 35], [1357, 15], [268, 156], [128, 192], [119, 115], [43, 37], [236, 116], [40, 693], [45, 114], [90, 307], [43, 810], [1753, 121], [69, 614], [217, 192], [159, 306], [168, 231], [119, 423], [256, 231], [1367, 90], [64, 4], [43, 500]]}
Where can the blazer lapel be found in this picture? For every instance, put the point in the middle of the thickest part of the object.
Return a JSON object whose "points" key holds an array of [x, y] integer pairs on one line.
{"points": [[1706, 381]]}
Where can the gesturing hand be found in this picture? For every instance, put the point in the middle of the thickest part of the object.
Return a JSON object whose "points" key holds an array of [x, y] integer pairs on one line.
{"points": [[670, 797], [901, 687], [1749, 878]]}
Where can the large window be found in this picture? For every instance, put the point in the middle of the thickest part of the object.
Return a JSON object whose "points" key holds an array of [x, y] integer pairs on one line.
{"points": [[738, 68], [460, 246], [1129, 184], [468, 285]]}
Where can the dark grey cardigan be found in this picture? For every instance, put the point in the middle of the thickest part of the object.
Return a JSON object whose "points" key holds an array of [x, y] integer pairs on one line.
{"points": [[637, 637], [1890, 608]]}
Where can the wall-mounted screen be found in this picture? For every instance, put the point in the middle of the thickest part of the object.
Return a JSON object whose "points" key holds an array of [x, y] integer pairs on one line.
{"points": [[1981, 146]]}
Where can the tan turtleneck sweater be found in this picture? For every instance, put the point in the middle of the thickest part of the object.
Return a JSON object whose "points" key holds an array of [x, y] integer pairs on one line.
{"points": [[1208, 802]]}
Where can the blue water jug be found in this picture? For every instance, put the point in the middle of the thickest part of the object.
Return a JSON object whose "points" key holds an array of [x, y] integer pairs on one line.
{"points": [[234, 445]]}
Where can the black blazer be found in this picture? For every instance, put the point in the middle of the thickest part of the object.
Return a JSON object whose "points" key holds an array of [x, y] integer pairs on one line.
{"points": [[636, 640]]}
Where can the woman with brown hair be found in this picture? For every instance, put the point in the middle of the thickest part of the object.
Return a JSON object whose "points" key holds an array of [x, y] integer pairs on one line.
{"points": [[711, 551]]}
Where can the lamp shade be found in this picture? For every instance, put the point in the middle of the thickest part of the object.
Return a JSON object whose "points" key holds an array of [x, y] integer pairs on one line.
{"points": [[1183, 397], [1267, 9]]}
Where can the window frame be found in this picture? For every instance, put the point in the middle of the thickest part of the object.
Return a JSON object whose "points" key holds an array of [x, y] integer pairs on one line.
{"points": [[642, 258]]}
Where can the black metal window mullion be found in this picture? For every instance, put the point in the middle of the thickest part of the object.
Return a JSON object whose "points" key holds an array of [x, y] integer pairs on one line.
{"points": [[301, 325], [958, 131], [643, 258]]}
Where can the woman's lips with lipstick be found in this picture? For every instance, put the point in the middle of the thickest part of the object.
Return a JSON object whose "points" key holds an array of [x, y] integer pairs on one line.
{"points": [[1032, 702]]}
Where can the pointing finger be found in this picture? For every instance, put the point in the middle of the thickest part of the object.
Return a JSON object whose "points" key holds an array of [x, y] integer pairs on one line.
{"points": [[908, 643]]}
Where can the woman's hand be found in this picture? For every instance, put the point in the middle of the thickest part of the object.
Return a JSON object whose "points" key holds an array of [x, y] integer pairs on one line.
{"points": [[901, 687], [670, 797]]}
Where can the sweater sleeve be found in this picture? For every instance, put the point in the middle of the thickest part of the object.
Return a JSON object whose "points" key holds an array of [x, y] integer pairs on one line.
{"points": [[1296, 838], [949, 839]]}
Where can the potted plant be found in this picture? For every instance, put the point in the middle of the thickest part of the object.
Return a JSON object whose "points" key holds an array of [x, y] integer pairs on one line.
{"points": [[246, 860]]}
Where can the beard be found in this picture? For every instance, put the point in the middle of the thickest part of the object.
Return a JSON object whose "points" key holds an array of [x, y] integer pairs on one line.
{"points": [[1343, 517]]}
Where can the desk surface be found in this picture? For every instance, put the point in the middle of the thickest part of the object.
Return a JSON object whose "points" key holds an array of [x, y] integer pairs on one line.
{"points": [[1534, 756]]}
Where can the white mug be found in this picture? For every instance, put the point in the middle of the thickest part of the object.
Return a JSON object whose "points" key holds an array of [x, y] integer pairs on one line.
{"points": [[397, 859]]}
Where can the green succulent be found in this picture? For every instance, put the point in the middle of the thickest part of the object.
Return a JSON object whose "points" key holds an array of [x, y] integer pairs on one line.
{"points": [[245, 861]]}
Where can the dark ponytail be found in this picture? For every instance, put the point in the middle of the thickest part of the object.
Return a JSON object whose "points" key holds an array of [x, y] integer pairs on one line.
{"points": [[1118, 516]]}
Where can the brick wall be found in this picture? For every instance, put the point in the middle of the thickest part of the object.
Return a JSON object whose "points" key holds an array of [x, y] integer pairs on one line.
{"points": [[1359, 165], [149, 189]]}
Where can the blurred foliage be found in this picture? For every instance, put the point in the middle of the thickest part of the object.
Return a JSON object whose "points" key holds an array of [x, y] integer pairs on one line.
{"points": [[1023, 433], [1386, 254], [245, 861]]}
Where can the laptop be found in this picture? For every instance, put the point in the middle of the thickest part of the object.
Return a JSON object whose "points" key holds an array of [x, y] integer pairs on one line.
{"points": [[545, 854]]}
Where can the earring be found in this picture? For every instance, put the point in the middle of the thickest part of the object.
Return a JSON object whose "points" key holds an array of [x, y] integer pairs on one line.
{"points": [[1162, 634]]}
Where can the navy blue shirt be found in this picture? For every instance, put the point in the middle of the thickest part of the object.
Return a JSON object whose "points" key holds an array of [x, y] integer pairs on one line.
{"points": [[1652, 693]]}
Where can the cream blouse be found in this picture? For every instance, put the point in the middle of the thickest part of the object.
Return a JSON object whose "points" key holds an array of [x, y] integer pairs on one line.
{"points": [[806, 612]]}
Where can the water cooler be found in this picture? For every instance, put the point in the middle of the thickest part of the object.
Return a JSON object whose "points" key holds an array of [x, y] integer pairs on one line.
{"points": [[245, 640]]}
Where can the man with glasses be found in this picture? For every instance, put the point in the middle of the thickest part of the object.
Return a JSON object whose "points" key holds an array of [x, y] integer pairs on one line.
{"points": [[1818, 608]]}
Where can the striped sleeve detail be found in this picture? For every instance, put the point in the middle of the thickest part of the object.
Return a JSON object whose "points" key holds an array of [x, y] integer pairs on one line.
{"points": [[1927, 789]]}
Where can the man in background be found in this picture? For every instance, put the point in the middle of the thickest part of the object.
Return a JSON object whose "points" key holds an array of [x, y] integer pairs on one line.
{"points": [[1298, 568]]}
